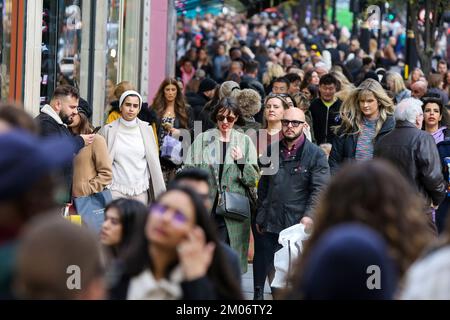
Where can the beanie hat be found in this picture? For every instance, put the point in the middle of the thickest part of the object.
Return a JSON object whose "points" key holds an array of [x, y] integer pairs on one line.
{"points": [[84, 107], [130, 93], [207, 84]]}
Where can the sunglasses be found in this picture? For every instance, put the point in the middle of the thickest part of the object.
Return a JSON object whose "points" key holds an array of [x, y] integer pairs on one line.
{"points": [[222, 118], [295, 123], [159, 209]]}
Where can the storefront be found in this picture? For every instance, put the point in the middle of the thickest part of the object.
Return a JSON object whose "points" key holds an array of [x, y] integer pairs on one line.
{"points": [[92, 45]]}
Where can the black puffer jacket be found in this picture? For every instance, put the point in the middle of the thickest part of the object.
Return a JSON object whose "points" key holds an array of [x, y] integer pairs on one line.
{"points": [[415, 154], [344, 146], [290, 194]]}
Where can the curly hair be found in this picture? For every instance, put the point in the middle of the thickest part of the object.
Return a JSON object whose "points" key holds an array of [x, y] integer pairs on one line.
{"points": [[160, 104], [367, 192], [249, 102], [351, 115]]}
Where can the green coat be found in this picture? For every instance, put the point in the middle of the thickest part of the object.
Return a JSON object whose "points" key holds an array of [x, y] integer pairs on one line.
{"points": [[204, 153]]}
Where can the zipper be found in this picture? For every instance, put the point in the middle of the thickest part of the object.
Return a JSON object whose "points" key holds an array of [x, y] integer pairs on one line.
{"points": [[326, 125]]}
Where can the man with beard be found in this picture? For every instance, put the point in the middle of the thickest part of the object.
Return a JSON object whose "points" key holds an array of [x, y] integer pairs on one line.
{"points": [[289, 196], [54, 119]]}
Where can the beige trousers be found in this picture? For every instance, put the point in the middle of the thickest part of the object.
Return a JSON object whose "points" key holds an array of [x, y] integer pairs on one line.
{"points": [[143, 197]]}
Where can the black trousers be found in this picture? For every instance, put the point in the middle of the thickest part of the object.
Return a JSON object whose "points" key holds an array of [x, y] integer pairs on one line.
{"points": [[266, 245]]}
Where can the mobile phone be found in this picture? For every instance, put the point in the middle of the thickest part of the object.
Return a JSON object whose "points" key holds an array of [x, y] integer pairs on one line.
{"points": [[96, 129]]}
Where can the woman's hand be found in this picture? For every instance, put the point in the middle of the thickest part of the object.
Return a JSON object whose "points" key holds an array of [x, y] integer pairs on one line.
{"points": [[195, 254], [236, 153]]}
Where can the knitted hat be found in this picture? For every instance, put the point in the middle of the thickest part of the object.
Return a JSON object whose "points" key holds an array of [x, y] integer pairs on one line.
{"points": [[130, 93], [207, 84]]}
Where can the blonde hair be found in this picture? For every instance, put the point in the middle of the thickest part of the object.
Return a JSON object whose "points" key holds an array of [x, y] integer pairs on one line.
{"points": [[399, 84], [351, 115], [121, 87], [346, 86], [274, 70]]}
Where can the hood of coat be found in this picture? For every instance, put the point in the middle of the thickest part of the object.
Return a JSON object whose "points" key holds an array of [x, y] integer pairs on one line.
{"points": [[48, 110]]}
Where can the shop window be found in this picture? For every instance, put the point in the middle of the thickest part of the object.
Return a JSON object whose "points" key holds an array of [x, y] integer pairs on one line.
{"points": [[61, 45], [112, 54], [5, 47]]}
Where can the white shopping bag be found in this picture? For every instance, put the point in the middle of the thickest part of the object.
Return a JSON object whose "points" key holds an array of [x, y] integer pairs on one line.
{"points": [[291, 239]]}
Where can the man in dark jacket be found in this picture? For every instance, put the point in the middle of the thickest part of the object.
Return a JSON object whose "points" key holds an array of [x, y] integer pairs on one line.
{"points": [[53, 120], [197, 101], [414, 152], [250, 81], [325, 110], [289, 196]]}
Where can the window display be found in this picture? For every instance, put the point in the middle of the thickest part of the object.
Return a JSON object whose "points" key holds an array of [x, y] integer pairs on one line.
{"points": [[61, 45], [5, 47]]}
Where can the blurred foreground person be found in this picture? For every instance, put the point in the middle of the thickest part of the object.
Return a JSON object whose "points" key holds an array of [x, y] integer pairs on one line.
{"points": [[341, 263], [122, 218], [178, 256], [197, 180], [367, 193], [429, 277], [58, 260], [14, 116], [27, 188]]}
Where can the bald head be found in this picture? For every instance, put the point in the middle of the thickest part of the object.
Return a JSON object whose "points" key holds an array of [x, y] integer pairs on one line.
{"points": [[293, 122], [418, 89], [294, 114]]}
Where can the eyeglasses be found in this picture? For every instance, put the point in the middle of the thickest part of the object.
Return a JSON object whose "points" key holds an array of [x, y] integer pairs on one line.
{"points": [[222, 118], [160, 209], [275, 95], [295, 123]]}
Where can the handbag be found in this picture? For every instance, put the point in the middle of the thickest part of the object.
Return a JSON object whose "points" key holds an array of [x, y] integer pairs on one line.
{"points": [[233, 205], [171, 150], [92, 208]]}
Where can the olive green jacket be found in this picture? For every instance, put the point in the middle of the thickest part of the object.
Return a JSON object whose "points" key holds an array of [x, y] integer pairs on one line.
{"points": [[204, 153]]}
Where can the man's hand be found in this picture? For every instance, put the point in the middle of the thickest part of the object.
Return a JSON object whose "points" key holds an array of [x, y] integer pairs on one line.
{"points": [[258, 229], [308, 223], [195, 254], [88, 138]]}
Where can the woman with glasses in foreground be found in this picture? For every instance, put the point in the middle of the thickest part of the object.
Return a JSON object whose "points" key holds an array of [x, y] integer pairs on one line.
{"points": [[175, 255], [229, 157]]}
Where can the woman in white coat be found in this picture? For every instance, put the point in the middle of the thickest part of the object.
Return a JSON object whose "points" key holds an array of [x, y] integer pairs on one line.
{"points": [[132, 148]]}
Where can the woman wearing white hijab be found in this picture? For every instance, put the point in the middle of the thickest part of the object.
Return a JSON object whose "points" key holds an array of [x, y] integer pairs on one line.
{"points": [[132, 148]]}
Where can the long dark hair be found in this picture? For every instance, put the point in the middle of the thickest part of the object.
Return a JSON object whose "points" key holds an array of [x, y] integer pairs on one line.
{"points": [[367, 193], [138, 258], [160, 104], [132, 215]]}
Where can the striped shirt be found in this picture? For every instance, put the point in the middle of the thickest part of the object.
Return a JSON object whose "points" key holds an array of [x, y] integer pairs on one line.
{"points": [[364, 146]]}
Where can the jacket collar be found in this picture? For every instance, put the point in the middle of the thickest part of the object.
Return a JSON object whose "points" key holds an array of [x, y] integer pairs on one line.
{"points": [[48, 110], [404, 124]]}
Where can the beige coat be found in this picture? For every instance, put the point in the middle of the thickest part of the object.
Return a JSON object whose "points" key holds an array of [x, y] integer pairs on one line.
{"points": [[92, 170], [157, 185]]}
